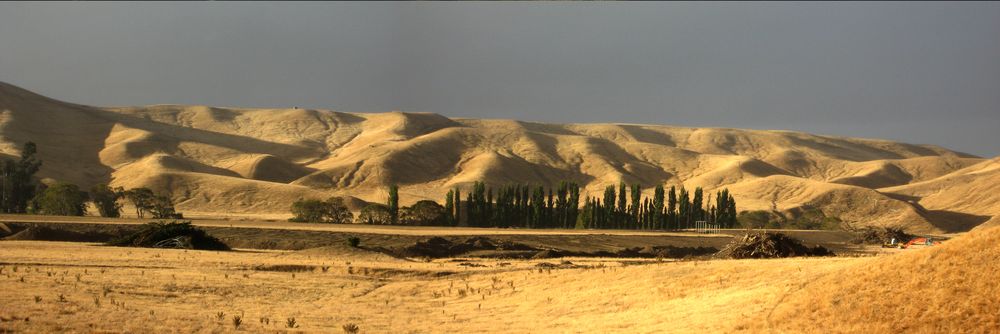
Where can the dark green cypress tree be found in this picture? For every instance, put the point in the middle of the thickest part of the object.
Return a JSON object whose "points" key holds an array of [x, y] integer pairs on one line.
{"points": [[550, 209], [458, 206], [609, 207], [574, 202], [722, 207], [562, 211], [583, 219], [622, 210], [449, 208], [537, 207], [684, 208], [657, 209], [393, 204], [17, 187], [697, 213], [672, 209], [634, 208], [470, 209]]}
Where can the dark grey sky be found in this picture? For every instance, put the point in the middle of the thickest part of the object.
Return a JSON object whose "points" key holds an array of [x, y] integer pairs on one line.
{"points": [[917, 72]]}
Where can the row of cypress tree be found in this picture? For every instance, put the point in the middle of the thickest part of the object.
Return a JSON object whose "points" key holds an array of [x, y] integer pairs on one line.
{"points": [[528, 206]]}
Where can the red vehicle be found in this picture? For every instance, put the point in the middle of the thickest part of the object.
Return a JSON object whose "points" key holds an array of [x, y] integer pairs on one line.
{"points": [[920, 242]]}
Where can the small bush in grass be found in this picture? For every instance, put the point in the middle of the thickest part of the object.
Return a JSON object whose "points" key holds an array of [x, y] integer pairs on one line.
{"points": [[353, 241], [351, 328]]}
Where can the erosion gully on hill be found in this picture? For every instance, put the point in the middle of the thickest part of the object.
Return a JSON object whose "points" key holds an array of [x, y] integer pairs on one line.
{"points": [[428, 246]]}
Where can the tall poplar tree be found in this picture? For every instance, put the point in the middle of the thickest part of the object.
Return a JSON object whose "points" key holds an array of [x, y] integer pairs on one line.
{"points": [[657, 210], [393, 203], [672, 209]]}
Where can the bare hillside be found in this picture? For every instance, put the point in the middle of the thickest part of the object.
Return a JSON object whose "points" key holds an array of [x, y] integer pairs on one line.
{"points": [[255, 162], [950, 288]]}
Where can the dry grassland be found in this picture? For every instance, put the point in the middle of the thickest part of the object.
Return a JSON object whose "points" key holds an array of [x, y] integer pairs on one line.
{"points": [[123, 289], [75, 287]]}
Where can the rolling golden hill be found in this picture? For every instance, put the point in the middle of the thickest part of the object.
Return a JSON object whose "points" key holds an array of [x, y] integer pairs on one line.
{"points": [[255, 162]]}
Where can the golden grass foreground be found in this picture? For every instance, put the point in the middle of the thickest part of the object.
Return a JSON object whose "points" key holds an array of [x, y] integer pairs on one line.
{"points": [[84, 288]]}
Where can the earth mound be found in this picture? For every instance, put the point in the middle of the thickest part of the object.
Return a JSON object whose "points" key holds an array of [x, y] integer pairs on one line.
{"points": [[438, 247], [45, 233]]}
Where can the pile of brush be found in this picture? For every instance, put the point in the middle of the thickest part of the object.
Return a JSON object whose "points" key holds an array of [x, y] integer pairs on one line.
{"points": [[170, 235], [759, 245]]}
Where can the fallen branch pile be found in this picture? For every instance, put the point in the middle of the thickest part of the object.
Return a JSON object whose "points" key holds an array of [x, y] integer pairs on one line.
{"points": [[758, 245], [170, 235]]}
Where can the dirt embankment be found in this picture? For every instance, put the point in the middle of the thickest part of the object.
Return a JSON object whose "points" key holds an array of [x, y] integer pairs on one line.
{"points": [[503, 246], [483, 247]]}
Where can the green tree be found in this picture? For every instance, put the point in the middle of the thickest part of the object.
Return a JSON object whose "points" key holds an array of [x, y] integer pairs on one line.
{"points": [[142, 199], [449, 208], [656, 216], [672, 209], [18, 186], [537, 207], [393, 203], [374, 214], [585, 218], [458, 206], [725, 209], [697, 213], [636, 200], [337, 212], [106, 199], [574, 202], [684, 208], [163, 208], [424, 213], [622, 210], [62, 199], [609, 207], [333, 210], [307, 210]]}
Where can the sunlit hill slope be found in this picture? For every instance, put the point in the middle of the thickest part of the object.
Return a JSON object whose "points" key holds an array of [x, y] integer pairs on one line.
{"points": [[255, 162]]}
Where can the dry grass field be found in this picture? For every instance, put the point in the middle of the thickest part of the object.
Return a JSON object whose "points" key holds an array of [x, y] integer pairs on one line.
{"points": [[78, 287]]}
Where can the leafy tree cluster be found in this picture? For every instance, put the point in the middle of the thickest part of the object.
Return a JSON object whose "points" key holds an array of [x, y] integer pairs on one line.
{"points": [[145, 201], [107, 200], [421, 213], [374, 214], [20, 192], [333, 210], [18, 187], [61, 199]]}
